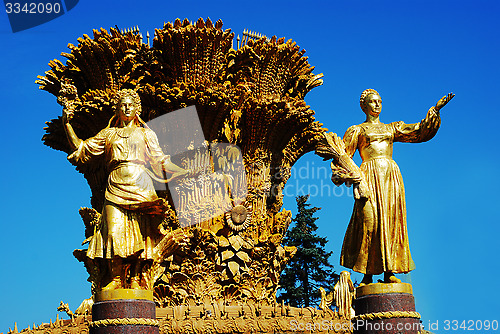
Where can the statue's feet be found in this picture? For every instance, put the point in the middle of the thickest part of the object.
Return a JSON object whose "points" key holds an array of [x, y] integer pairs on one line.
{"points": [[367, 279], [389, 277], [116, 283], [135, 283]]}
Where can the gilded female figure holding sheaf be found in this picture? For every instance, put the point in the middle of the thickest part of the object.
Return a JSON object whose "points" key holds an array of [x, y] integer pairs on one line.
{"points": [[128, 147], [376, 240]]}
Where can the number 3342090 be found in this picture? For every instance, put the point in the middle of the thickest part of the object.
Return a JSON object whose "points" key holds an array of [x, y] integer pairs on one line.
{"points": [[32, 8], [471, 325]]}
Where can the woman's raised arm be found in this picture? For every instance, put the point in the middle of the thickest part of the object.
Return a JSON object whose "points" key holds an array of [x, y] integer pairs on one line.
{"points": [[73, 139]]}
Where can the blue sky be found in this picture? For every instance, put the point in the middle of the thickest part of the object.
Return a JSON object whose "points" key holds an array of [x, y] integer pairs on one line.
{"points": [[412, 52]]}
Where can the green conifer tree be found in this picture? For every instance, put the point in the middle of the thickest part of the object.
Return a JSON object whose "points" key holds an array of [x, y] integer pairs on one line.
{"points": [[310, 268]]}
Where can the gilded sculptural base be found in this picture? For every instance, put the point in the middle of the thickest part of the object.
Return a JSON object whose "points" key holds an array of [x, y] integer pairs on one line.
{"points": [[206, 318], [385, 308], [250, 318], [123, 294], [124, 311]]}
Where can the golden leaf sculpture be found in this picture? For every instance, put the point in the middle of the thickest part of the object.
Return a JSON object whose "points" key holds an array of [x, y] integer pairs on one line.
{"points": [[252, 97]]}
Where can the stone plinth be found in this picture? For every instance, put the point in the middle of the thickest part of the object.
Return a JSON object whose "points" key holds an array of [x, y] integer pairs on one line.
{"points": [[124, 311], [387, 308]]}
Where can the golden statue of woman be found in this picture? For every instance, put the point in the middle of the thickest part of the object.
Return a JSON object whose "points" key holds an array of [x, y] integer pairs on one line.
{"points": [[376, 240], [128, 147]]}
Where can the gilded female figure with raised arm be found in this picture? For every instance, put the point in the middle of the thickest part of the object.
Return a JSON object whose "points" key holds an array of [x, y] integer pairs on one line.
{"points": [[128, 147], [376, 240]]}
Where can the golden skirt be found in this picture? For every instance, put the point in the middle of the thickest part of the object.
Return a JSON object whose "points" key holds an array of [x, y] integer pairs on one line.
{"points": [[376, 240]]}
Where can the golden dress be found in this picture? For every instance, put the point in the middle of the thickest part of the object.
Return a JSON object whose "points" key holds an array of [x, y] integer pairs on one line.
{"points": [[130, 197], [376, 239]]}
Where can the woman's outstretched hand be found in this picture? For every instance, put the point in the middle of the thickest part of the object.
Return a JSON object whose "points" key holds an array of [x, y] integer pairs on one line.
{"points": [[68, 95], [66, 115], [443, 101]]}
